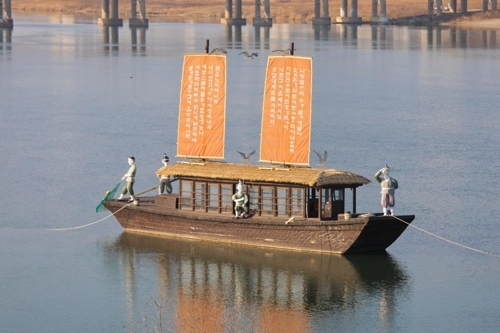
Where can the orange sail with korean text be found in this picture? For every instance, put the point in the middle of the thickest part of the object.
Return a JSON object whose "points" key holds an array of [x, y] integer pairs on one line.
{"points": [[202, 107], [286, 114]]}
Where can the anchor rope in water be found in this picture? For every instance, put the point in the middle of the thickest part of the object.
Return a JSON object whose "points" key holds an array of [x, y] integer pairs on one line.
{"points": [[447, 240], [86, 225]]}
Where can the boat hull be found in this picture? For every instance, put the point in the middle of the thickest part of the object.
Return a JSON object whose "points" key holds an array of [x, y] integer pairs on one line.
{"points": [[357, 235]]}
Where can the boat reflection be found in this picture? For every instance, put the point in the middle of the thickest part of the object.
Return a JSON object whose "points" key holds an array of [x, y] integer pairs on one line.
{"points": [[206, 283]]}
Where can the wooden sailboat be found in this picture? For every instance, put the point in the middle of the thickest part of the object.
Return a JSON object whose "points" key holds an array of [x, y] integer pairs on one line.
{"points": [[289, 205]]}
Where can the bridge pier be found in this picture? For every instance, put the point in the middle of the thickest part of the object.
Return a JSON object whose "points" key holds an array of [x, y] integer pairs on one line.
{"points": [[265, 21], [321, 18], [5, 9], [382, 18], [107, 19], [140, 21], [228, 14], [493, 5], [353, 18]]}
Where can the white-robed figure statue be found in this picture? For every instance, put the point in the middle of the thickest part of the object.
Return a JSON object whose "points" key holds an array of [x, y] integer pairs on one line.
{"points": [[240, 199], [164, 180], [389, 186], [129, 178]]}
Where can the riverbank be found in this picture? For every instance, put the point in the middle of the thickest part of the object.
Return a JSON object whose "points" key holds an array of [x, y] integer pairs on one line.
{"points": [[400, 12]]}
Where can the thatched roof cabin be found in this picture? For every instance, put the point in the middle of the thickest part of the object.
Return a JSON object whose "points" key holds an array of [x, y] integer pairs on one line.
{"points": [[264, 174]]}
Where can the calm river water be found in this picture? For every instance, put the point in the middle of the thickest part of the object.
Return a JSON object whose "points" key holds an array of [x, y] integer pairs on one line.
{"points": [[77, 99]]}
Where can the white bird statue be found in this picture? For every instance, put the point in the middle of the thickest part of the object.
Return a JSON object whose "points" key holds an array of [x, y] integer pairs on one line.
{"points": [[249, 56], [245, 157], [322, 159]]}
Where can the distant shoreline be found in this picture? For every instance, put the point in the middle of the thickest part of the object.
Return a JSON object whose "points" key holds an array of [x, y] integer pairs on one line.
{"points": [[403, 12]]}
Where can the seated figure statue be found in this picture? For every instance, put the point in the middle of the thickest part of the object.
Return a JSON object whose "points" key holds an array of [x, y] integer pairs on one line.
{"points": [[240, 199]]}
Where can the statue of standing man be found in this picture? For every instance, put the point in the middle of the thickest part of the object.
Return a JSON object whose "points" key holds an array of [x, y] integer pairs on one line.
{"points": [[164, 180], [389, 186], [129, 178]]}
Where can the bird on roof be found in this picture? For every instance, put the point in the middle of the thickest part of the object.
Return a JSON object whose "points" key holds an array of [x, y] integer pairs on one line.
{"points": [[249, 56], [246, 157], [218, 49], [322, 159], [283, 52]]}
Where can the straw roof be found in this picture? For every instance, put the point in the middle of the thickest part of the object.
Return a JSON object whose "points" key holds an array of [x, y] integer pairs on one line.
{"points": [[266, 174]]}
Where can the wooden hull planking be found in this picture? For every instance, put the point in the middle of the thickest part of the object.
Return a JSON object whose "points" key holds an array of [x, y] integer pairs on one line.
{"points": [[357, 235]]}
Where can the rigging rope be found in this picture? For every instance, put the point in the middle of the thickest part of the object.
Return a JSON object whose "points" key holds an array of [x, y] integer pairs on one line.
{"points": [[447, 240], [86, 225]]}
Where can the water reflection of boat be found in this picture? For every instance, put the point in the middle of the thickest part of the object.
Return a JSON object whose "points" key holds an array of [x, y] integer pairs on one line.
{"points": [[210, 279], [287, 204]]}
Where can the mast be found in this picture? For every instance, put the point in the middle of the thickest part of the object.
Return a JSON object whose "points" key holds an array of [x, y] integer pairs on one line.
{"points": [[286, 111], [202, 107]]}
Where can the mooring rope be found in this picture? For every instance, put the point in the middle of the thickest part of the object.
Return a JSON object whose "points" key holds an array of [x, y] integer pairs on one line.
{"points": [[447, 240], [86, 225]]}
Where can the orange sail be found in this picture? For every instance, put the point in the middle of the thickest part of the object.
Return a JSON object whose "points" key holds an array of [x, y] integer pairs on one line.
{"points": [[286, 116], [202, 108]]}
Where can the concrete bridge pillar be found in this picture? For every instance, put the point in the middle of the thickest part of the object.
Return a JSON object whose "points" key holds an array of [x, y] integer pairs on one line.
{"points": [[107, 19], [5, 9], [228, 14], [463, 6], [376, 18], [493, 5], [353, 18], [265, 21], [140, 21], [321, 15], [452, 6]]}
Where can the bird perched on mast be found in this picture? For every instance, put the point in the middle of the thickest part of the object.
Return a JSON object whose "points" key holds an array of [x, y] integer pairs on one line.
{"points": [[249, 56], [283, 52], [218, 49]]}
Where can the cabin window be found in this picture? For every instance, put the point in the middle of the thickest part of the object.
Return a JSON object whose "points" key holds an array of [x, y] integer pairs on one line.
{"points": [[186, 194], [226, 199], [213, 198], [199, 196], [282, 205], [253, 199], [332, 203], [267, 200], [297, 201]]}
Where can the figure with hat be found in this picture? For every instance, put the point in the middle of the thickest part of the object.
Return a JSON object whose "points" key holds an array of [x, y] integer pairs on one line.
{"points": [[164, 180], [389, 186], [129, 178]]}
